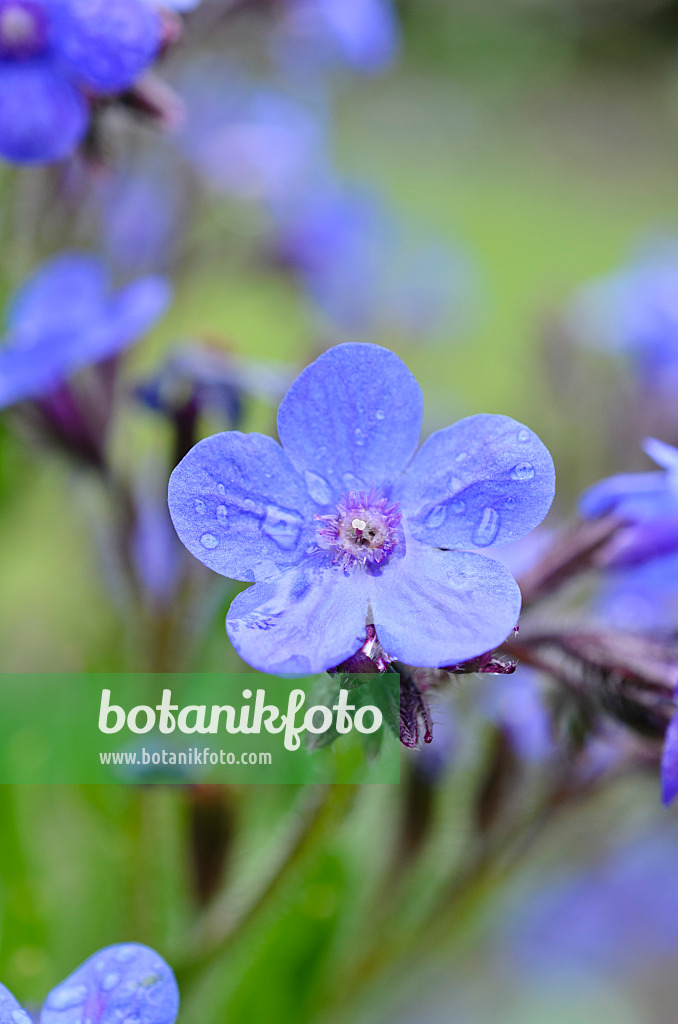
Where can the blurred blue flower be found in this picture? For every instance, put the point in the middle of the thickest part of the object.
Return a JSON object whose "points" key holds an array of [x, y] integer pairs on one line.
{"points": [[125, 982], [634, 311], [362, 34], [619, 915], [647, 502], [56, 53], [342, 524], [247, 139], [515, 704], [364, 270], [66, 317], [669, 762]]}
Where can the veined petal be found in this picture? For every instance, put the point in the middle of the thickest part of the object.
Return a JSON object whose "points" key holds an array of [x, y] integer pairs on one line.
{"points": [[484, 480], [433, 608], [308, 619], [352, 418], [125, 982], [105, 44], [240, 507], [42, 116], [10, 1010]]}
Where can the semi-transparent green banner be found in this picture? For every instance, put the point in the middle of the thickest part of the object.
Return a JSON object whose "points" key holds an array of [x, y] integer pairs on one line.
{"points": [[143, 728]]}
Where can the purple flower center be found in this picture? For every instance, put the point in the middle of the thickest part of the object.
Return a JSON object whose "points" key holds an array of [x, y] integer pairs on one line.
{"points": [[364, 529], [23, 28]]}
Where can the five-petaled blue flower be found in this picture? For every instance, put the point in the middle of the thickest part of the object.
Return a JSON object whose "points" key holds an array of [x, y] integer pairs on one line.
{"points": [[342, 524], [127, 982], [57, 55], [66, 317]]}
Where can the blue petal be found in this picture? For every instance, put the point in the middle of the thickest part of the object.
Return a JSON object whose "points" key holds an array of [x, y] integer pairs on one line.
{"points": [[630, 495], [39, 307], [125, 982], [135, 308], [239, 506], [365, 30], [485, 480], [665, 455], [105, 44], [433, 608], [669, 765], [10, 1010], [351, 419], [42, 116], [308, 619]]}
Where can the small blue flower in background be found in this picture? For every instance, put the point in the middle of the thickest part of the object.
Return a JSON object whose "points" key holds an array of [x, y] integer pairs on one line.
{"points": [[342, 524], [515, 704], [647, 502], [634, 311], [54, 55], [127, 982], [66, 317], [248, 139], [361, 34], [365, 271]]}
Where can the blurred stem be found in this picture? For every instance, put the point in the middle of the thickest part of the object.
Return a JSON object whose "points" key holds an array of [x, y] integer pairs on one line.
{"points": [[320, 811]]}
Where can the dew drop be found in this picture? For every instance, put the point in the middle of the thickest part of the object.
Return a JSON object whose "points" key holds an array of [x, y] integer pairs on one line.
{"points": [[66, 997], [249, 505], [318, 488], [110, 981], [461, 456], [221, 488], [209, 541], [379, 414], [523, 471], [523, 435], [125, 955], [222, 514], [454, 484], [359, 437], [487, 529], [200, 506], [435, 517], [282, 527], [20, 1017], [458, 506]]}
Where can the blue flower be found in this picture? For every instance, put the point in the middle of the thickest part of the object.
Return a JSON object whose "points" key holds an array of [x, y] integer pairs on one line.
{"points": [[66, 317], [648, 502], [362, 34], [342, 524], [54, 54], [123, 982], [634, 311]]}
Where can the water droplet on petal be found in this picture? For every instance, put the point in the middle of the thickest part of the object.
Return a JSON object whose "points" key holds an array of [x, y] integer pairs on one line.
{"points": [[67, 996], [458, 506], [359, 437], [318, 488], [282, 527], [20, 1017], [523, 471], [110, 981], [461, 456], [523, 435], [454, 484], [209, 541], [126, 955], [222, 515], [200, 506], [487, 529], [221, 488], [379, 414], [435, 517]]}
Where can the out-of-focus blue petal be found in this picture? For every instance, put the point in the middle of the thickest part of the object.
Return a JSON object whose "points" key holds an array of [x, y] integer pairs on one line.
{"points": [[42, 116], [514, 702], [669, 766], [629, 495], [105, 44], [484, 480], [433, 608], [135, 308], [351, 420], [66, 294], [665, 455], [10, 1010], [154, 546], [240, 507], [142, 214], [121, 983], [360, 33], [309, 618]]}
